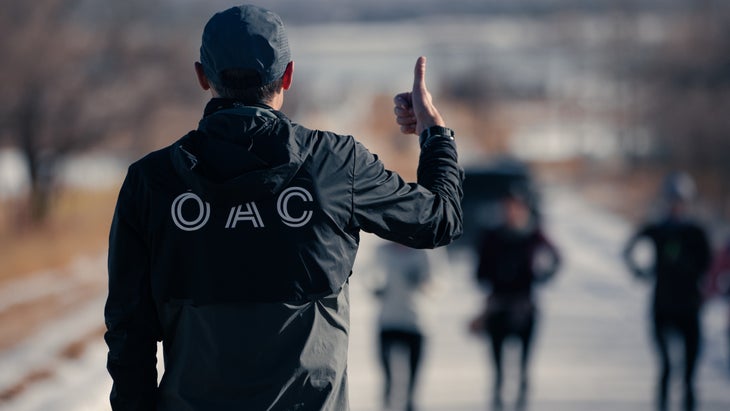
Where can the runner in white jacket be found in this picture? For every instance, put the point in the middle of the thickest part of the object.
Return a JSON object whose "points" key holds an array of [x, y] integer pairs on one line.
{"points": [[400, 321]]}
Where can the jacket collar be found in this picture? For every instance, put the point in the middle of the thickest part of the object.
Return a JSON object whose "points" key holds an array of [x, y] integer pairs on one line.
{"points": [[219, 104]]}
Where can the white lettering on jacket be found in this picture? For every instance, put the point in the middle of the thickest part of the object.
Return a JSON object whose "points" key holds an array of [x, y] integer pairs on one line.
{"points": [[243, 212], [250, 214], [179, 219], [283, 210]]}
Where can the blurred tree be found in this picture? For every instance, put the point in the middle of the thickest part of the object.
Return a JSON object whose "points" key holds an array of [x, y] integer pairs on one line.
{"points": [[687, 86], [482, 101], [75, 78], [675, 85]]}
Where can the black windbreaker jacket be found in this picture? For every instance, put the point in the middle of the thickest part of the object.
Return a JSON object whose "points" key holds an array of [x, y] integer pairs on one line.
{"points": [[233, 247]]}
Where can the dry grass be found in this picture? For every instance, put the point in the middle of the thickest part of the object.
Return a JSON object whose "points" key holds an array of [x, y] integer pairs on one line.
{"points": [[77, 225]]}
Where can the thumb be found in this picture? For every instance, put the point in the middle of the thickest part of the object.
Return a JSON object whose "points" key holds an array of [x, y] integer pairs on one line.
{"points": [[419, 74]]}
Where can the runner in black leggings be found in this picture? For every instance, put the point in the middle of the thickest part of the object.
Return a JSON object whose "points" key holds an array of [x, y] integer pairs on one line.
{"points": [[682, 255], [512, 259]]}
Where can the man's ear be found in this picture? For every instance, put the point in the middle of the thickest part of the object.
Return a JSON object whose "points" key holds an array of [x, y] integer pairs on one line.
{"points": [[202, 79], [287, 77]]}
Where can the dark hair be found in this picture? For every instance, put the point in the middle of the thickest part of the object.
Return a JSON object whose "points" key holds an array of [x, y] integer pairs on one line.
{"points": [[245, 85], [520, 192]]}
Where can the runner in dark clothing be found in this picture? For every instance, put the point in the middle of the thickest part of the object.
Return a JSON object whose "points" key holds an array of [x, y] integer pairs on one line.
{"points": [[681, 257], [513, 258]]}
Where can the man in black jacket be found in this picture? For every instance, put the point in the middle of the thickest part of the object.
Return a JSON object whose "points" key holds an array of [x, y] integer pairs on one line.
{"points": [[234, 245]]}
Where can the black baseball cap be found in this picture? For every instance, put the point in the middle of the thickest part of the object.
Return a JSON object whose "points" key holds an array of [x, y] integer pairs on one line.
{"points": [[245, 37]]}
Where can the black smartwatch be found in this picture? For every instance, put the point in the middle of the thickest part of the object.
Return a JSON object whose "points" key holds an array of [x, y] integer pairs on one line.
{"points": [[435, 131]]}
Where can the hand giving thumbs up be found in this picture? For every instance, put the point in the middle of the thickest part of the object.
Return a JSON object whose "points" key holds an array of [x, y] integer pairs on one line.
{"points": [[414, 110]]}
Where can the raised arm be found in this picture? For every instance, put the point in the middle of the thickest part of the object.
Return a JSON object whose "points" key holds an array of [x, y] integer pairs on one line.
{"points": [[423, 215]]}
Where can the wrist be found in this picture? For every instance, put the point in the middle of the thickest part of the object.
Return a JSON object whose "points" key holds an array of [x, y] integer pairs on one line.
{"points": [[430, 121], [433, 131], [432, 118]]}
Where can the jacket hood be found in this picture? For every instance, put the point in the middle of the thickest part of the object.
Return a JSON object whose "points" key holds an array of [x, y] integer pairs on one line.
{"points": [[239, 152]]}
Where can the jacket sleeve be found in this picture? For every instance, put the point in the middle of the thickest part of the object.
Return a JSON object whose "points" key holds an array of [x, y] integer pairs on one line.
{"points": [[704, 252], [426, 214], [130, 314], [545, 245], [486, 253], [628, 252]]}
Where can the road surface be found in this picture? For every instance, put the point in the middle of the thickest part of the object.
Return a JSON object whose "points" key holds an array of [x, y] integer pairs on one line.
{"points": [[593, 350]]}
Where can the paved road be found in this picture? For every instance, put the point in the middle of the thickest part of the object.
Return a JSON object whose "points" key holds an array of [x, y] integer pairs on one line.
{"points": [[593, 351]]}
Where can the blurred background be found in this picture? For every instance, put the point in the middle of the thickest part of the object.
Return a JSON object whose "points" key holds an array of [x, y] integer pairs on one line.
{"points": [[595, 101]]}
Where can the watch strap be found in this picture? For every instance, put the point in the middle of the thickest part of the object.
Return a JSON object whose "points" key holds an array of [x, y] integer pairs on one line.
{"points": [[433, 131]]}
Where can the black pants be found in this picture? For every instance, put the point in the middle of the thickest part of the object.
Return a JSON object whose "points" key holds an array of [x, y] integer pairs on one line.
{"points": [[502, 324], [686, 325], [413, 344]]}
